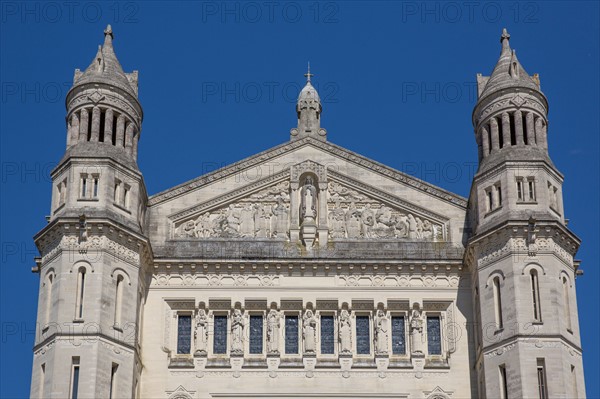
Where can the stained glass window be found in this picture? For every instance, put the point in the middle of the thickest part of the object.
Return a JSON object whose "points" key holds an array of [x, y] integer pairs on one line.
{"points": [[363, 341], [256, 334], [327, 336], [434, 339], [184, 334], [291, 334], [398, 336], [220, 334]]}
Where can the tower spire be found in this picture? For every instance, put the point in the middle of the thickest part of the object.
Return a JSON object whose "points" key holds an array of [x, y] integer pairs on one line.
{"points": [[108, 35], [504, 38]]}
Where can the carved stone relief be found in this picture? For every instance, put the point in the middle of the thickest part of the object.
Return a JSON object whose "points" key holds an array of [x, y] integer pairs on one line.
{"points": [[354, 215], [264, 214]]}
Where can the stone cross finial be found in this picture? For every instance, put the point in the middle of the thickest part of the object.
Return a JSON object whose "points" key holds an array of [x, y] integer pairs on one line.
{"points": [[108, 34], [505, 36], [308, 74]]}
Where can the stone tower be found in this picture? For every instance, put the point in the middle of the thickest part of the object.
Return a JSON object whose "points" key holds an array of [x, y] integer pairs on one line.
{"points": [[92, 283], [521, 251]]}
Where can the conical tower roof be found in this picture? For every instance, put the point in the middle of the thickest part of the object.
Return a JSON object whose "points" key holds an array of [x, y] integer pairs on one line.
{"points": [[105, 68], [509, 72]]}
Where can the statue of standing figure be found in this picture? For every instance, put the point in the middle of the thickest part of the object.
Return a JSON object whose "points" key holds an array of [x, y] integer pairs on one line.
{"points": [[381, 333], [201, 333], [309, 328], [280, 222], [308, 204], [273, 325], [345, 333], [416, 332], [237, 332]]}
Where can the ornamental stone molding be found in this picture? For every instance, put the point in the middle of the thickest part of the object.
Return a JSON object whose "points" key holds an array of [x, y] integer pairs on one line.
{"points": [[73, 244], [290, 146]]}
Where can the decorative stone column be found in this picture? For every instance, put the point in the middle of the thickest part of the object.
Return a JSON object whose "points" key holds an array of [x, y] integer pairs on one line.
{"points": [[108, 126], [495, 135], [120, 130], [323, 230], [485, 141], [129, 136], [95, 124], [74, 133], [519, 127], [295, 212], [134, 147], [530, 128], [506, 130], [83, 125]]}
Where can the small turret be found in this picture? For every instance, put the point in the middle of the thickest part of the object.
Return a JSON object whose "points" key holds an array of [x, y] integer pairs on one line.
{"points": [[510, 117], [309, 110], [103, 111]]}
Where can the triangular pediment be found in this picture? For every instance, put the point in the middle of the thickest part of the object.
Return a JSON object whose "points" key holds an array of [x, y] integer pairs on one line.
{"points": [[347, 209], [290, 147]]}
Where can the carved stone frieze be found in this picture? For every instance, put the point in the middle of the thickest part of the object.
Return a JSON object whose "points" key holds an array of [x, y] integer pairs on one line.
{"points": [[498, 248], [353, 214], [216, 280], [263, 214], [93, 242]]}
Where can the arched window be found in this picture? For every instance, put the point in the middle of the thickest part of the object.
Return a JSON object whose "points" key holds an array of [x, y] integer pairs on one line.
{"points": [[535, 295], [497, 302], [80, 293], [119, 300], [567, 302]]}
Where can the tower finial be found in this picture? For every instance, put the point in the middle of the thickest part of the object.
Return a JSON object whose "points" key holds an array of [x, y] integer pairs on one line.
{"points": [[505, 37], [108, 34], [308, 74]]}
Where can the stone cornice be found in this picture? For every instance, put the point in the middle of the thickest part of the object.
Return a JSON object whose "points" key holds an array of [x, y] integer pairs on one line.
{"points": [[513, 238], [290, 146], [88, 337], [64, 235], [493, 168], [275, 250]]}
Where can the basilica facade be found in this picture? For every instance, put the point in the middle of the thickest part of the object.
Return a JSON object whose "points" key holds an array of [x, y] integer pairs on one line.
{"points": [[330, 276]]}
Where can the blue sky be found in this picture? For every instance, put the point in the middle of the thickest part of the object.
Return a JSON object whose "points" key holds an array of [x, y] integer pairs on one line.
{"points": [[218, 82]]}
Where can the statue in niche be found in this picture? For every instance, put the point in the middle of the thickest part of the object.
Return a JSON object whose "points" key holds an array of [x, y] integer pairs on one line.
{"points": [[345, 332], [308, 204], [280, 222], [337, 222], [353, 225], [273, 325], [412, 226], [309, 328], [368, 221], [247, 221], [201, 333], [237, 332], [381, 333], [416, 332]]}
